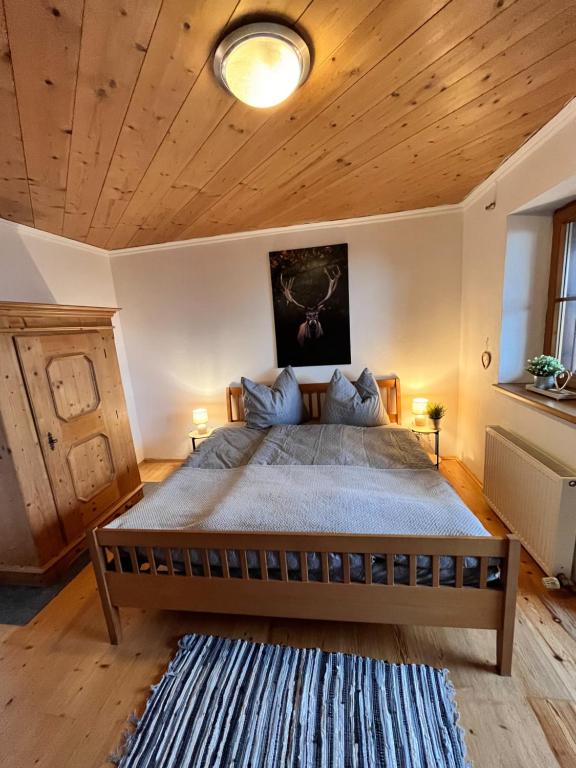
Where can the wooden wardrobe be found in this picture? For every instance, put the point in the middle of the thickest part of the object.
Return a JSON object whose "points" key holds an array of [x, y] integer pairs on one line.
{"points": [[67, 460]]}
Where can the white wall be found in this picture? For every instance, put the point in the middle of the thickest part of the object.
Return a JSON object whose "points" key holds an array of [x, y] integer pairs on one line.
{"points": [[525, 292], [533, 175], [38, 267], [199, 316]]}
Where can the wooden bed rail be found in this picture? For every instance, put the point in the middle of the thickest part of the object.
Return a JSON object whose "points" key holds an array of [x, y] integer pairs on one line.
{"points": [[249, 573], [490, 546]]}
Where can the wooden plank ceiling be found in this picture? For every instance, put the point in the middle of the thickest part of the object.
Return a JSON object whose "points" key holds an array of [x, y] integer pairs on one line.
{"points": [[114, 131]]}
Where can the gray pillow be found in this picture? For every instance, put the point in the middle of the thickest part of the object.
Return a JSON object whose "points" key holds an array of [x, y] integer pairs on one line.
{"points": [[281, 403], [357, 404]]}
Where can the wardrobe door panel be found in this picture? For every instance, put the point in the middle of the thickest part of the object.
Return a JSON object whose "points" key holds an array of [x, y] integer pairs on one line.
{"points": [[113, 400], [72, 382], [66, 374], [30, 529]]}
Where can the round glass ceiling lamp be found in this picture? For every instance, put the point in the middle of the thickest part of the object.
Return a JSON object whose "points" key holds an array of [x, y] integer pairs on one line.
{"points": [[262, 64]]}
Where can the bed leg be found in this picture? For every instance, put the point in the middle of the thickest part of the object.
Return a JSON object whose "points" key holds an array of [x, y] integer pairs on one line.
{"points": [[505, 635], [111, 612]]}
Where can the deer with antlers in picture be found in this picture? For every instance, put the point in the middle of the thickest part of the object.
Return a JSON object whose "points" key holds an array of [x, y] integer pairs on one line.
{"points": [[311, 328]]}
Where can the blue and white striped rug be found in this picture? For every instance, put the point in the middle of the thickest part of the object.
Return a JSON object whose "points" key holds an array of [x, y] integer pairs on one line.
{"points": [[231, 703]]}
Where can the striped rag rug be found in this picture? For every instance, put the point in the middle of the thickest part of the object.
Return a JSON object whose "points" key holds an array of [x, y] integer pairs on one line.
{"points": [[232, 703]]}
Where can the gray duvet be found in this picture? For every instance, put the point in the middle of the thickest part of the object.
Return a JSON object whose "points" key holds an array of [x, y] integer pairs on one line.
{"points": [[312, 478], [389, 447]]}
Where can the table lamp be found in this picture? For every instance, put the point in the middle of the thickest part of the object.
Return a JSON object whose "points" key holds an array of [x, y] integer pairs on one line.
{"points": [[200, 419], [420, 411]]}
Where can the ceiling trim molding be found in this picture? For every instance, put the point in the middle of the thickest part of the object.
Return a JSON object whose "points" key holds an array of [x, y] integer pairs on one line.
{"points": [[40, 234], [552, 127], [439, 210]]}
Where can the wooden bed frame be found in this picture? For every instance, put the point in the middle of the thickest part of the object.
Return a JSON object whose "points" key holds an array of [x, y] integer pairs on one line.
{"points": [[124, 579], [313, 396]]}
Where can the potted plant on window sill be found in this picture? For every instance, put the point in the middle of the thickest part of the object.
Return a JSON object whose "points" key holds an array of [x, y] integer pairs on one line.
{"points": [[436, 412], [545, 369]]}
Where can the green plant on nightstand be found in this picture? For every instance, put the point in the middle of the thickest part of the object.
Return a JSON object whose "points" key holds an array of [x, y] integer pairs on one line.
{"points": [[436, 412]]}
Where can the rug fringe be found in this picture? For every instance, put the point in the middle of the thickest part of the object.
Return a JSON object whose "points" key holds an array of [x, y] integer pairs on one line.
{"points": [[126, 740], [456, 717]]}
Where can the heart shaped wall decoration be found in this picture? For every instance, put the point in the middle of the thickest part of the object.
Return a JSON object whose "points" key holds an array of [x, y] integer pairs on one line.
{"points": [[486, 356]]}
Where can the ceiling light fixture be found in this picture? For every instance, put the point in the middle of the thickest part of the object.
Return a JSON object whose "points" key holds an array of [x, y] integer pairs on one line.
{"points": [[262, 64]]}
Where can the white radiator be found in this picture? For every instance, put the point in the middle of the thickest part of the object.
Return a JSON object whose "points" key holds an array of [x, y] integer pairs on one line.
{"points": [[535, 496]]}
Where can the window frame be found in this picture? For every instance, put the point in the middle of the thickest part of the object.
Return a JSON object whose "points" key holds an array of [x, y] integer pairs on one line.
{"points": [[562, 218]]}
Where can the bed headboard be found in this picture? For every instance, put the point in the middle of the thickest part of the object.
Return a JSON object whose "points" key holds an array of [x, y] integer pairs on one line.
{"points": [[313, 395]]}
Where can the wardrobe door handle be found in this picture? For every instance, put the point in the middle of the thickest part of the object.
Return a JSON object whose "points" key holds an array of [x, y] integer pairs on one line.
{"points": [[52, 440]]}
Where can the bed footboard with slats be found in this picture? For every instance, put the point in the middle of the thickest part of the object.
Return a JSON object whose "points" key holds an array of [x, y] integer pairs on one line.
{"points": [[295, 576]]}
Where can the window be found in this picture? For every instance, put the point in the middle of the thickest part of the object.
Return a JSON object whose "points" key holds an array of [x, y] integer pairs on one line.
{"points": [[560, 337]]}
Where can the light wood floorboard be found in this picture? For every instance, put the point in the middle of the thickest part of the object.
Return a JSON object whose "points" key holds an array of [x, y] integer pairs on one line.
{"points": [[157, 470], [65, 693]]}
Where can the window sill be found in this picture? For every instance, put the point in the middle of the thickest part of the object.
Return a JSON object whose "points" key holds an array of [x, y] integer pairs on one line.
{"points": [[559, 409]]}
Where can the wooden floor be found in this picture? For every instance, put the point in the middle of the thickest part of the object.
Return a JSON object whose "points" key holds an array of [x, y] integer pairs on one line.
{"points": [[65, 693], [152, 471]]}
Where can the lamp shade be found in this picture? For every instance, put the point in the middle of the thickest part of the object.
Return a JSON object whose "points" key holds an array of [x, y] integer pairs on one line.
{"points": [[262, 64], [420, 410], [200, 415], [419, 406]]}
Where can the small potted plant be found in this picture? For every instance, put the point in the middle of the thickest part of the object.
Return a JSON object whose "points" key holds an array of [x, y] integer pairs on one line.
{"points": [[545, 368], [436, 412]]}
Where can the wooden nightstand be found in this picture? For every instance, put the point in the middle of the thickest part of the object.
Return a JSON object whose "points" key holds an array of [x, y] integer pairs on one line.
{"points": [[194, 436], [418, 431]]}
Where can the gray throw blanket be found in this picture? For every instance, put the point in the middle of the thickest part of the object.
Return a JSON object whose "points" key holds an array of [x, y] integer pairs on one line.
{"points": [[329, 499]]}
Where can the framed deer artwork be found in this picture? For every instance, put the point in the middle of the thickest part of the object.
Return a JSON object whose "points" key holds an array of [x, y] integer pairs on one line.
{"points": [[311, 305]]}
